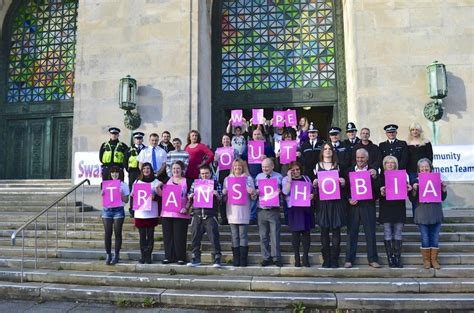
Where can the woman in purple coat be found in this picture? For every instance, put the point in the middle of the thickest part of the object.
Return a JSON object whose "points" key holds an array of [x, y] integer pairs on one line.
{"points": [[300, 219]]}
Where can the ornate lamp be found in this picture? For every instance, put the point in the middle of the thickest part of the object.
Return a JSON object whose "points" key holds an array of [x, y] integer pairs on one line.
{"points": [[437, 90], [127, 102]]}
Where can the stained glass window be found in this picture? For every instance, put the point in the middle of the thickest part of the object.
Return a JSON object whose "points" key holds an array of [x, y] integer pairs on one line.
{"points": [[42, 51], [276, 44]]}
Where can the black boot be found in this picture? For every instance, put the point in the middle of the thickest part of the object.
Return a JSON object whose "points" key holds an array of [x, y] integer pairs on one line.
{"points": [[335, 256], [142, 256], [389, 251], [398, 253], [116, 258], [306, 260], [236, 256], [297, 259], [108, 258], [244, 253], [148, 255]]}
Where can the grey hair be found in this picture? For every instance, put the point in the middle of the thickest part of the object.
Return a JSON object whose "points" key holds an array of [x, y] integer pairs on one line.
{"points": [[363, 151], [424, 160]]}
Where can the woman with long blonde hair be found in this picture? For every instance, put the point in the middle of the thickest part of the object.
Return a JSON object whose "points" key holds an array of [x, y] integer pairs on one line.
{"points": [[418, 148]]}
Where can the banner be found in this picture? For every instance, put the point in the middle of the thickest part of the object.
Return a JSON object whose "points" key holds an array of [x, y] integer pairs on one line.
{"points": [[279, 118], [290, 118], [87, 166], [257, 117], [287, 151], [225, 158], [111, 193], [255, 151], [268, 194], [300, 194], [236, 118], [171, 202], [328, 185], [142, 196], [454, 162], [429, 188], [395, 184], [203, 193], [237, 190], [361, 185]]}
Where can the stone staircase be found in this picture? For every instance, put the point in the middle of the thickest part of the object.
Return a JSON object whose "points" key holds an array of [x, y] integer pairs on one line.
{"points": [[75, 270]]}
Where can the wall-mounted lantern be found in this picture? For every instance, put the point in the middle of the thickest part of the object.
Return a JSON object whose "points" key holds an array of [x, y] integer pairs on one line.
{"points": [[437, 90], [127, 102]]}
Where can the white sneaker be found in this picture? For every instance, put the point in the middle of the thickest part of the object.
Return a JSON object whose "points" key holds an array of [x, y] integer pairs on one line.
{"points": [[193, 263]]}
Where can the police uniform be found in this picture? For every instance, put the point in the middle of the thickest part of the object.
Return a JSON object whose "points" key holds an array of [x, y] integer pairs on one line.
{"points": [[342, 151], [310, 153], [350, 127], [397, 148], [131, 163], [112, 153]]}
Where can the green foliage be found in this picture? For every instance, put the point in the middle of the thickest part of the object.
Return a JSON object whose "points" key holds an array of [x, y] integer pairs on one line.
{"points": [[121, 302], [298, 307], [172, 272], [149, 302], [229, 261], [60, 268]]}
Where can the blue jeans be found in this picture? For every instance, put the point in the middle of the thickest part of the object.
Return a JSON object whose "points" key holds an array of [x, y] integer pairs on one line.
{"points": [[253, 210], [114, 213], [429, 235]]}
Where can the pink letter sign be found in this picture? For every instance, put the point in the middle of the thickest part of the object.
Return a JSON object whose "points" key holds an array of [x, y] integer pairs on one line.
{"points": [[236, 117], [429, 188], [328, 185], [255, 151], [171, 202], [268, 194], [290, 118], [226, 157], [111, 195], [142, 196], [237, 190], [395, 184], [279, 118], [203, 193], [361, 185], [300, 193], [287, 151], [257, 116]]}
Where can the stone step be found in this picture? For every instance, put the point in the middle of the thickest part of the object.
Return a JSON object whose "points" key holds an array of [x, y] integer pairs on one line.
{"points": [[237, 299], [35, 209], [224, 236], [30, 182], [132, 266], [454, 247], [408, 258], [244, 283]]}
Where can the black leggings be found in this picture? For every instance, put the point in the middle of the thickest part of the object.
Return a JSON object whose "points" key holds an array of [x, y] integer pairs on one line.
{"points": [[336, 237], [301, 236], [110, 226], [147, 239]]}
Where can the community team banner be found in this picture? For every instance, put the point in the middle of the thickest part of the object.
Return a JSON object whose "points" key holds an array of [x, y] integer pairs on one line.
{"points": [[454, 162]]}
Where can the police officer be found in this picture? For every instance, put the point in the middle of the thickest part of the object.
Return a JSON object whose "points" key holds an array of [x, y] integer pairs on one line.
{"points": [[112, 152], [343, 152], [131, 162], [310, 151], [352, 139], [394, 147]]}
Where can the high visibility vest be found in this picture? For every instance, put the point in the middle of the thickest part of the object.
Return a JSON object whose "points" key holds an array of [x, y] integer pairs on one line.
{"points": [[133, 159], [118, 156]]}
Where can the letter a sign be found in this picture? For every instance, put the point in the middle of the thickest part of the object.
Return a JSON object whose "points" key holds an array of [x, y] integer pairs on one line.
{"points": [[429, 187]]}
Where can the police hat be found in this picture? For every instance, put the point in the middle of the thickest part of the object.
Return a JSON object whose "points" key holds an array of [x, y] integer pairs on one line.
{"points": [[334, 131], [114, 130], [138, 135], [390, 128], [312, 128], [351, 127]]}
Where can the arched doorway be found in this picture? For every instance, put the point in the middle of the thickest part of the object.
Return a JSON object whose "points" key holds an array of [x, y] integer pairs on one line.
{"points": [[36, 103], [277, 54]]}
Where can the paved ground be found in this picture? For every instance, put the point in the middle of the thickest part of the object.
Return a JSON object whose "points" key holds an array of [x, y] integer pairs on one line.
{"points": [[16, 306]]}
